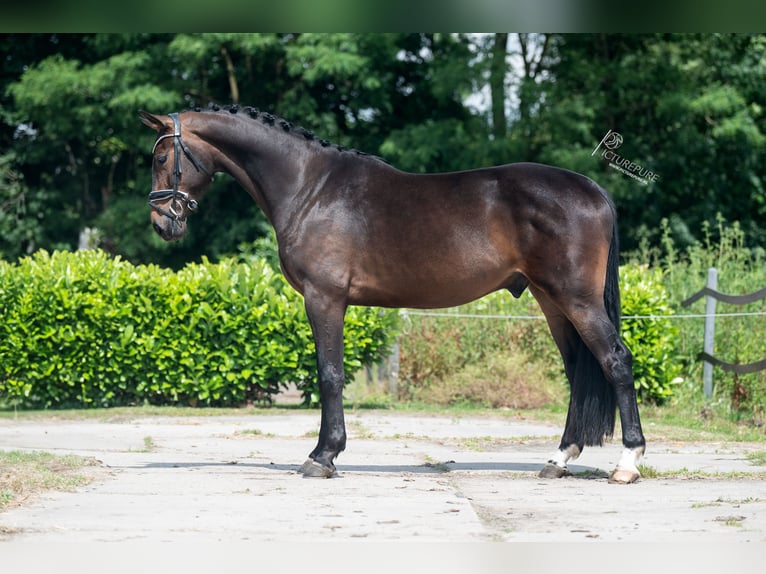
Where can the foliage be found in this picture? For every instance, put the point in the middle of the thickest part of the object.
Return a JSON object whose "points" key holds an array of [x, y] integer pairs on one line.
{"points": [[436, 350], [21, 212], [689, 106], [502, 380], [652, 339], [81, 329], [739, 339]]}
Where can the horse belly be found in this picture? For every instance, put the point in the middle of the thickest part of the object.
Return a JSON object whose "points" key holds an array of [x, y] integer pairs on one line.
{"points": [[430, 282]]}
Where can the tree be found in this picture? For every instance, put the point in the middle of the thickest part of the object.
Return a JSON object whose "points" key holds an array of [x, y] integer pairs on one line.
{"points": [[690, 108], [86, 151], [498, 72], [21, 212], [80, 144], [436, 131]]}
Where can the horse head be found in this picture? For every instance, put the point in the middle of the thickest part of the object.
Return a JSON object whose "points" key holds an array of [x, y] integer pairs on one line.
{"points": [[171, 154]]}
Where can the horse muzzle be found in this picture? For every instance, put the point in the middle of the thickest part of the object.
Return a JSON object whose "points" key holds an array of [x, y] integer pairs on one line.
{"points": [[169, 210], [169, 228]]}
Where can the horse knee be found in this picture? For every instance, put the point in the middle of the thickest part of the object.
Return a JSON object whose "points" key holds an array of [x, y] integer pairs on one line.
{"points": [[331, 379]]}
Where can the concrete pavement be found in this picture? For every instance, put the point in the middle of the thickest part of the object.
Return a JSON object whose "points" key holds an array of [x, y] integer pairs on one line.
{"points": [[403, 477]]}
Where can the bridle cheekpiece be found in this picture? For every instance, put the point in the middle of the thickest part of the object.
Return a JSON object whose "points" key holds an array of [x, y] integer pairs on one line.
{"points": [[176, 196]]}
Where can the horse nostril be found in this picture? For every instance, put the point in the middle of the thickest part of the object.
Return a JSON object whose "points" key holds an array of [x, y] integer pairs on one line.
{"points": [[158, 229]]}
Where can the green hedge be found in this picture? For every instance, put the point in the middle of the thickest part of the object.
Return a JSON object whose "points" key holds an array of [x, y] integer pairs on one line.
{"points": [[82, 329], [651, 337]]}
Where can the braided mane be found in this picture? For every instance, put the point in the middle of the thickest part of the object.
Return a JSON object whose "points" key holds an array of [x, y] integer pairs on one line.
{"points": [[282, 124]]}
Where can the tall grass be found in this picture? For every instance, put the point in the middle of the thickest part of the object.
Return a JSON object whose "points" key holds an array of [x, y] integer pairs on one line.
{"points": [[440, 351], [740, 339], [441, 354]]}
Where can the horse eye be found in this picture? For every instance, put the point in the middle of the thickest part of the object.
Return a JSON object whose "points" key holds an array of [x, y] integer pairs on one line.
{"points": [[162, 159]]}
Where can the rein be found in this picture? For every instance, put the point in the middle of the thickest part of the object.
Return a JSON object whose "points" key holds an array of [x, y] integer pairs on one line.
{"points": [[176, 196]]}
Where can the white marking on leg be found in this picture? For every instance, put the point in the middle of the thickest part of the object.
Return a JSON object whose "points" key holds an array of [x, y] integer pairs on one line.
{"points": [[630, 459], [562, 457]]}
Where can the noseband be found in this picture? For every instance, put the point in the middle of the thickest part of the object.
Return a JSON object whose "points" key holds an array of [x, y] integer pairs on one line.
{"points": [[176, 196]]}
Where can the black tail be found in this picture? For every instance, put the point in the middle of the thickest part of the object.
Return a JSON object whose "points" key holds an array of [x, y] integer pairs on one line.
{"points": [[592, 401]]}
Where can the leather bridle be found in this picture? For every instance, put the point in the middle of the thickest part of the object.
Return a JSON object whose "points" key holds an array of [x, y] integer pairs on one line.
{"points": [[178, 199]]}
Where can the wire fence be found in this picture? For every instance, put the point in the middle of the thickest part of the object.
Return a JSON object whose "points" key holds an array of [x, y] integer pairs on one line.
{"points": [[458, 315], [709, 292]]}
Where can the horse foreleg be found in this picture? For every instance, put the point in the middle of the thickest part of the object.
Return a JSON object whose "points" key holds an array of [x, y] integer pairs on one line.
{"points": [[326, 318]]}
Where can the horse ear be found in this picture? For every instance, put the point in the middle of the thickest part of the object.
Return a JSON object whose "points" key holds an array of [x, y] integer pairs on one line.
{"points": [[152, 121]]}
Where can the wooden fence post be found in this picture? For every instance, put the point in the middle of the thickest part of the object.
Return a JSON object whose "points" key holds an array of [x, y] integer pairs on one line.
{"points": [[706, 356], [386, 375], [708, 342], [393, 371]]}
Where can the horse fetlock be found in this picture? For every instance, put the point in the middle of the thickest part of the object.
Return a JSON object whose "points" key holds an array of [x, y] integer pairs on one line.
{"points": [[631, 457], [627, 468]]}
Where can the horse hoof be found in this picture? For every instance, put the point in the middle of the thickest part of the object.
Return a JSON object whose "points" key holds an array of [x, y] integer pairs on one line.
{"points": [[553, 471], [312, 469], [623, 476]]}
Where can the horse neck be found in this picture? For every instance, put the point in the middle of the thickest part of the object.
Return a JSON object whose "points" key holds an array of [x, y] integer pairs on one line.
{"points": [[265, 160]]}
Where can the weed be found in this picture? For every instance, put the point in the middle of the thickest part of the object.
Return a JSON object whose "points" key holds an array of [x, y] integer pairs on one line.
{"points": [[736, 503], [360, 431], [738, 339], [149, 445], [501, 381], [5, 497], [406, 436], [648, 471], [439, 466], [735, 521], [26, 474], [686, 474]]}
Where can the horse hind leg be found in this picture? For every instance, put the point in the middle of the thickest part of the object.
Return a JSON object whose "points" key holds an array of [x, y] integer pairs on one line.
{"points": [[599, 368], [619, 370], [616, 362], [567, 341]]}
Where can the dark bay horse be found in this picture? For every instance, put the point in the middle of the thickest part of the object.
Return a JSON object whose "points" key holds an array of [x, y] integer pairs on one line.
{"points": [[352, 230]]}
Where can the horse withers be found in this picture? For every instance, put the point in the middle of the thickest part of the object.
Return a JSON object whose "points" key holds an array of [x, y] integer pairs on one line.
{"points": [[353, 230]]}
